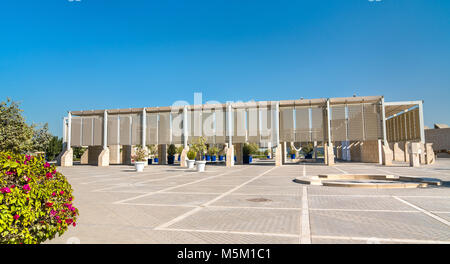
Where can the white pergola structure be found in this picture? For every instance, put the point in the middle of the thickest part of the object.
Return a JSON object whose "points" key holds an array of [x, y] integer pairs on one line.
{"points": [[352, 128]]}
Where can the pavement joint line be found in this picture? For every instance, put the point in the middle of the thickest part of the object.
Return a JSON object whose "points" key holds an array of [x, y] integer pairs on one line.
{"points": [[305, 237], [341, 170], [381, 195], [252, 207], [442, 220], [372, 239], [363, 210], [171, 205], [181, 217], [152, 180], [174, 187], [103, 180], [228, 232]]}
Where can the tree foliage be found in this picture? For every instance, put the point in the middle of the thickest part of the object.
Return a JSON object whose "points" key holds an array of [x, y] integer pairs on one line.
{"points": [[15, 135], [41, 138]]}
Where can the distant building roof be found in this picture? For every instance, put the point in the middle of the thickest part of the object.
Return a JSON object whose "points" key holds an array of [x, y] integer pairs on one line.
{"points": [[437, 126]]}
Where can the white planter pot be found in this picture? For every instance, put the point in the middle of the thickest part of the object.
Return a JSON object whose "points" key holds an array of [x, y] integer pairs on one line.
{"points": [[139, 165], [201, 165], [190, 163]]}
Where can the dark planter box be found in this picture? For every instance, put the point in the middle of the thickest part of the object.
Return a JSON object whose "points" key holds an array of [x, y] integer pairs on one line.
{"points": [[247, 159], [213, 158], [170, 159], [150, 161], [308, 156]]}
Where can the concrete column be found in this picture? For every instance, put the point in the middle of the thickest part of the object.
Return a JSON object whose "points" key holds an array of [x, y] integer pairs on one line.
{"points": [[329, 154], [315, 150], [430, 157], [114, 154], [238, 150], [407, 150], [162, 154], [230, 156], [421, 123], [85, 157], [413, 150], [185, 128], [144, 128], [388, 155], [66, 158], [279, 155]]}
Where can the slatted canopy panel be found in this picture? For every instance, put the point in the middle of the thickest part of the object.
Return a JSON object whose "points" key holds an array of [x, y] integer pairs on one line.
{"points": [[152, 129], [317, 124], [253, 124], [355, 122], [136, 129], [75, 138], [220, 131], [239, 125], [97, 131], [177, 126], [266, 123], [208, 126], [195, 125], [87, 126], [287, 124], [164, 134], [302, 129], [338, 123], [125, 129], [113, 130], [372, 122]]}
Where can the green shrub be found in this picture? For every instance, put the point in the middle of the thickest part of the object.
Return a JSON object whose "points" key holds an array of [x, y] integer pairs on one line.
{"points": [[35, 200], [171, 150], [308, 148], [250, 149], [140, 154], [192, 154]]}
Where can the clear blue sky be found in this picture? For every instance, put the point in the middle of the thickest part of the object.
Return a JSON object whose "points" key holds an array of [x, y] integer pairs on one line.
{"points": [[57, 55]]}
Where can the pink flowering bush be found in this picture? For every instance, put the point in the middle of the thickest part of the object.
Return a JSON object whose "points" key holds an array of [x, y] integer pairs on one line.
{"points": [[35, 200]]}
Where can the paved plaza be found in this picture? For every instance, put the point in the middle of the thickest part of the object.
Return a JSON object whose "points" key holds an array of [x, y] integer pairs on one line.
{"points": [[257, 203]]}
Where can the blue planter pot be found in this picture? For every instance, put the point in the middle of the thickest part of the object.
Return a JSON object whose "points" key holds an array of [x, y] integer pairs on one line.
{"points": [[179, 157], [234, 158], [170, 159], [220, 158], [268, 157], [150, 161], [208, 158], [292, 156], [156, 160], [213, 158], [247, 159]]}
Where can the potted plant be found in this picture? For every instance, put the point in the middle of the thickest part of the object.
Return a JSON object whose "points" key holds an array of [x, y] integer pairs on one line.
{"points": [[171, 151], [221, 154], [139, 158], [191, 158], [179, 151], [293, 153], [200, 148], [308, 150], [266, 153], [151, 153], [213, 152], [248, 150]]}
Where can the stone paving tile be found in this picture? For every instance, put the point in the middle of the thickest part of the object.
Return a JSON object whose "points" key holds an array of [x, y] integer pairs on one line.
{"points": [[430, 203], [274, 181], [174, 199], [275, 201], [219, 189], [138, 189], [378, 224], [357, 203], [269, 190], [243, 220]]}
